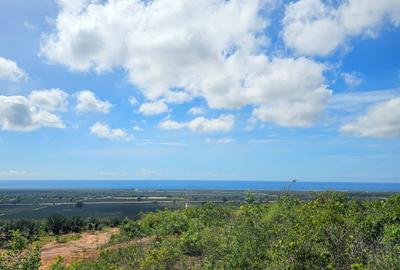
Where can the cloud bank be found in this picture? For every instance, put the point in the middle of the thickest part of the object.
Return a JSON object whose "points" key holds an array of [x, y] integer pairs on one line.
{"points": [[176, 50]]}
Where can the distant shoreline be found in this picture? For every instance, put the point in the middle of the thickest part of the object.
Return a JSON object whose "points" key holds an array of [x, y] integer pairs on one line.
{"points": [[199, 185]]}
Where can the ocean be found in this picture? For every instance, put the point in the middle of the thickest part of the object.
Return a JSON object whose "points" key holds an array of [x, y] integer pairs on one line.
{"points": [[197, 184]]}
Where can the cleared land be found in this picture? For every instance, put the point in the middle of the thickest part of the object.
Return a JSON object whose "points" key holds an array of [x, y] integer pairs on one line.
{"points": [[86, 247]]}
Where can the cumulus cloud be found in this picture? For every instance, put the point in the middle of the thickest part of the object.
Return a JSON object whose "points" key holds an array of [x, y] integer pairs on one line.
{"points": [[49, 100], [9, 70], [104, 131], [88, 102], [174, 51], [20, 113], [152, 108], [292, 93], [312, 27], [223, 123], [380, 120], [170, 124]]}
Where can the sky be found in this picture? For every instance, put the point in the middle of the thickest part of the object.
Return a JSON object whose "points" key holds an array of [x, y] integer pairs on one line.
{"points": [[200, 90]]}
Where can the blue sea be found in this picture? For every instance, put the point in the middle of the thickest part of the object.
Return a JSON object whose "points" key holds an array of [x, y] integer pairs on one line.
{"points": [[211, 185]]}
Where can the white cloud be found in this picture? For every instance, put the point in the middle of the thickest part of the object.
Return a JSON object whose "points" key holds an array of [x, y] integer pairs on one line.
{"points": [[380, 120], [174, 51], [355, 101], [197, 111], [351, 79], [170, 124], [152, 108], [297, 110], [312, 27], [223, 123], [225, 140], [20, 113], [104, 131], [17, 174], [49, 100], [9, 70], [137, 128], [13, 173], [177, 97], [292, 93], [88, 102]]}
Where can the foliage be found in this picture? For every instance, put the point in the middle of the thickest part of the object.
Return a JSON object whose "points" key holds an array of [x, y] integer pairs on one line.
{"points": [[18, 242], [58, 264], [28, 259], [55, 223], [330, 231]]}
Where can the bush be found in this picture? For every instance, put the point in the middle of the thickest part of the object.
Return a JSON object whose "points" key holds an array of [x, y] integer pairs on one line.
{"points": [[328, 232], [28, 259]]}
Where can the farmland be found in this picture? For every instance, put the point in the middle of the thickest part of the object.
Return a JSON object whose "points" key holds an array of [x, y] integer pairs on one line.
{"points": [[102, 203]]}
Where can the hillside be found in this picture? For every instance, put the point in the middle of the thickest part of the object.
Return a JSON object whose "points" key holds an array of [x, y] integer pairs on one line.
{"points": [[329, 232]]}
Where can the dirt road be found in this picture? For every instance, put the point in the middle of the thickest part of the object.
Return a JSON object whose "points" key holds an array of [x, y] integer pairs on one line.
{"points": [[84, 248]]}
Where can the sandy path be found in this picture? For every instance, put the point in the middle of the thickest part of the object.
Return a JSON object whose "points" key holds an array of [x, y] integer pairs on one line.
{"points": [[85, 247]]}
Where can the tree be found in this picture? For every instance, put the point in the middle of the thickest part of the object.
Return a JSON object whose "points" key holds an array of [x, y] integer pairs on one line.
{"points": [[18, 242], [55, 223], [76, 224]]}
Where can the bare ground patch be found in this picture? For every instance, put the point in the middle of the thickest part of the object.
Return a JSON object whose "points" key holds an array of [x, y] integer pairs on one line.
{"points": [[88, 246]]}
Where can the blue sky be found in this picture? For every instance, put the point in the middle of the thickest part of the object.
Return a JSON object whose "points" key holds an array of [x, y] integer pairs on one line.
{"points": [[211, 90]]}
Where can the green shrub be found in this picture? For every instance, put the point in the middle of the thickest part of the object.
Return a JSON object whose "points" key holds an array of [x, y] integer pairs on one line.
{"points": [[328, 232]]}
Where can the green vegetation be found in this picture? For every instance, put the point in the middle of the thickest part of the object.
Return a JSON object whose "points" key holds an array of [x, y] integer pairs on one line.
{"points": [[99, 203], [324, 231], [56, 225], [20, 255], [329, 232]]}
